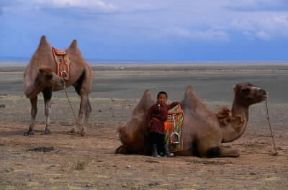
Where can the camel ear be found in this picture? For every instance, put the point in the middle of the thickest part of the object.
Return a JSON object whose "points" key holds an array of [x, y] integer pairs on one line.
{"points": [[73, 45], [237, 88]]}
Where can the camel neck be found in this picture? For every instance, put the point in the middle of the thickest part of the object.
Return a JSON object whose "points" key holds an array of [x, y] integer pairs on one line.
{"points": [[239, 109], [240, 114]]}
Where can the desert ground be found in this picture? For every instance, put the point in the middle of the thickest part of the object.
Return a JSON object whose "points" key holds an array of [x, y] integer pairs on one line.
{"points": [[63, 161]]}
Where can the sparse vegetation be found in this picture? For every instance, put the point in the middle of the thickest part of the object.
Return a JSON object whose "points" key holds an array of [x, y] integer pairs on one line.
{"points": [[90, 163]]}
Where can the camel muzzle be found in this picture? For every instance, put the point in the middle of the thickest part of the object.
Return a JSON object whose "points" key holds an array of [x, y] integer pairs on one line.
{"points": [[263, 93]]}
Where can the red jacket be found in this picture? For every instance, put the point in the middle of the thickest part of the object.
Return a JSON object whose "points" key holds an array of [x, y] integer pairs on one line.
{"points": [[157, 115]]}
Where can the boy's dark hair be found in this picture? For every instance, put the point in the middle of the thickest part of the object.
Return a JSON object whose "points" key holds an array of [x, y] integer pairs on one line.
{"points": [[162, 92]]}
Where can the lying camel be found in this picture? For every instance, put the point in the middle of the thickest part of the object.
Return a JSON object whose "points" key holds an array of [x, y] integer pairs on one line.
{"points": [[40, 76], [204, 131]]}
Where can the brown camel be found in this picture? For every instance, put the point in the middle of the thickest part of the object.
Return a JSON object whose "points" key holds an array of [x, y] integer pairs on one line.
{"points": [[204, 131], [40, 76]]}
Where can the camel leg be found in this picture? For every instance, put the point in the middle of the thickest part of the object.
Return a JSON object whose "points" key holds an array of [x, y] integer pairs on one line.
{"points": [[222, 151], [88, 110], [83, 87], [33, 102], [47, 94], [83, 110], [228, 152]]}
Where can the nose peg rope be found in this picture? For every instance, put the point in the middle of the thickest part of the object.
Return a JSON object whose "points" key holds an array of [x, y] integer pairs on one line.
{"points": [[274, 152], [66, 93]]}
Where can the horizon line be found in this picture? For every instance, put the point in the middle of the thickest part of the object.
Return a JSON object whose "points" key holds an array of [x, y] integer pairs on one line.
{"points": [[156, 61]]}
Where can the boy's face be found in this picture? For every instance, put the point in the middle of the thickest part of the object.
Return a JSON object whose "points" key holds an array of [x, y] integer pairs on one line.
{"points": [[162, 99]]}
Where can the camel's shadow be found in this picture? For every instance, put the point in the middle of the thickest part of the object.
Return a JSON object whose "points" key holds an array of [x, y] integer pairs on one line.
{"points": [[12, 133]]}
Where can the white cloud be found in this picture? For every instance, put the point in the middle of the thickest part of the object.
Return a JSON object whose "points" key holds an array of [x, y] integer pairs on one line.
{"points": [[254, 2], [199, 35], [90, 4], [196, 20], [264, 27], [258, 5]]}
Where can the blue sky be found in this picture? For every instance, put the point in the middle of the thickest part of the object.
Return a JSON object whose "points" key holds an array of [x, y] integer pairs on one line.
{"points": [[149, 30]]}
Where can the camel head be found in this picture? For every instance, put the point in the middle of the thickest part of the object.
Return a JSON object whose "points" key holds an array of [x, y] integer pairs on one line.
{"points": [[46, 78], [248, 94]]}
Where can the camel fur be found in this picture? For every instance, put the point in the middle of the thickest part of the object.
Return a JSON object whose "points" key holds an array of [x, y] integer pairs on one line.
{"points": [[40, 77], [204, 131]]}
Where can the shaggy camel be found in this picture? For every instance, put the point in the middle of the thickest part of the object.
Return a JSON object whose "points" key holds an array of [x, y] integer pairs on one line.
{"points": [[40, 76], [204, 131]]}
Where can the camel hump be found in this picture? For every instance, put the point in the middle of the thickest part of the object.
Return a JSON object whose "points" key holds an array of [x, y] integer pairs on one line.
{"points": [[73, 44], [146, 93], [191, 99], [147, 97], [43, 40], [189, 90], [145, 102]]}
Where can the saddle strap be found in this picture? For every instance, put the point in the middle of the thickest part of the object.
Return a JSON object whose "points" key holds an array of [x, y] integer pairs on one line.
{"points": [[62, 63]]}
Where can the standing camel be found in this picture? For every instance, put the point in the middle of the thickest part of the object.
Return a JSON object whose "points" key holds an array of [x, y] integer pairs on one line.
{"points": [[41, 75], [204, 131]]}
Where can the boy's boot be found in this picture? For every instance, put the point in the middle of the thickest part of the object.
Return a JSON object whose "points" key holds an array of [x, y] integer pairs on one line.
{"points": [[167, 151], [155, 151]]}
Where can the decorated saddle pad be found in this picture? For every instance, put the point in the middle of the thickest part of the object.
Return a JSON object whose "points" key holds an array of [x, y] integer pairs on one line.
{"points": [[62, 63], [173, 128]]}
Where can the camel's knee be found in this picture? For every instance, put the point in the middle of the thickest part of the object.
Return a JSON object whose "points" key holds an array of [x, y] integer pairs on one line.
{"points": [[213, 152], [229, 152], [88, 108], [222, 152], [34, 108], [121, 150], [47, 109], [34, 112]]}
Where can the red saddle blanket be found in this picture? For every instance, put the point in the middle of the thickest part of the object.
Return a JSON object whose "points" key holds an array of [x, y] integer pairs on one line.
{"points": [[174, 128], [62, 63]]}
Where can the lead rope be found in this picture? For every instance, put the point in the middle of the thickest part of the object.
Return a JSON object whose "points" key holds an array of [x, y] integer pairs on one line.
{"points": [[66, 93], [274, 153]]}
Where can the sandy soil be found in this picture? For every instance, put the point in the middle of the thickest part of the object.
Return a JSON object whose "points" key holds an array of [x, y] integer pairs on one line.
{"points": [[63, 161]]}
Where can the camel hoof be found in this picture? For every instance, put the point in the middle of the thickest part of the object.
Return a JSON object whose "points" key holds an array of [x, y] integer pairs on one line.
{"points": [[29, 133], [235, 153], [46, 132], [82, 133], [72, 131]]}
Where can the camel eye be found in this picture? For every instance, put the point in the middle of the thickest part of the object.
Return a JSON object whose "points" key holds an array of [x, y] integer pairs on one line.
{"points": [[246, 90]]}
